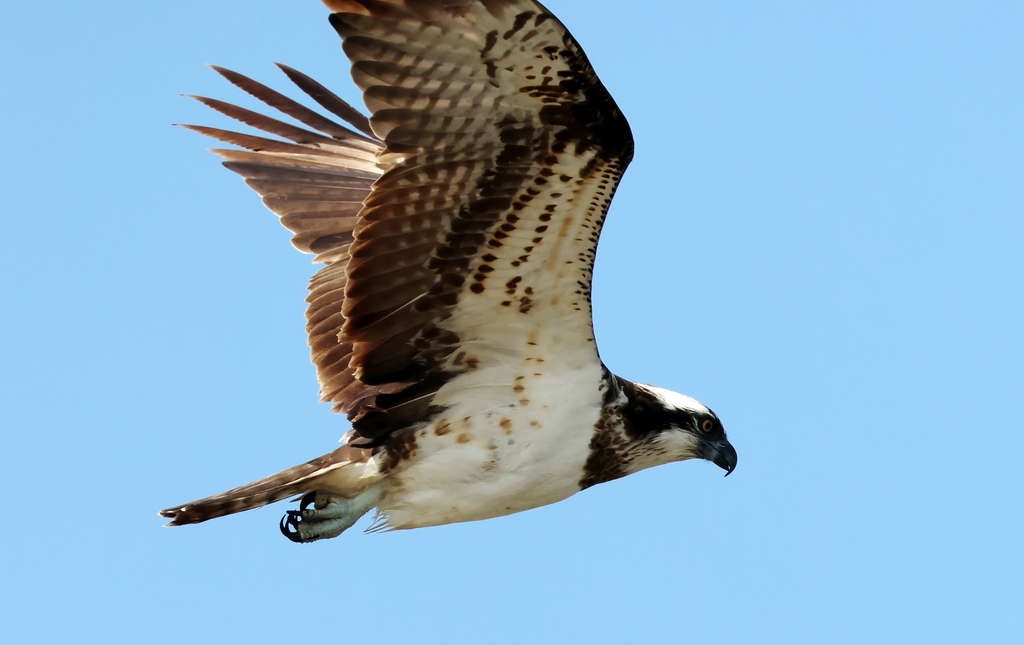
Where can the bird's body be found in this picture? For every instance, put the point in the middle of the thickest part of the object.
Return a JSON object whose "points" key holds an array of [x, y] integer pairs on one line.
{"points": [[452, 322], [501, 450]]}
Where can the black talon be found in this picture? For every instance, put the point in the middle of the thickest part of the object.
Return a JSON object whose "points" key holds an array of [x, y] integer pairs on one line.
{"points": [[290, 526], [307, 500]]}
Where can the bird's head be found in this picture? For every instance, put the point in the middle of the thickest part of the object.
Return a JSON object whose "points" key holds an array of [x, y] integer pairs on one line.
{"points": [[679, 427]]}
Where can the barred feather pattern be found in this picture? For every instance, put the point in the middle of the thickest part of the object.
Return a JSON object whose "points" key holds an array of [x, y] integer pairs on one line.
{"points": [[503, 150]]}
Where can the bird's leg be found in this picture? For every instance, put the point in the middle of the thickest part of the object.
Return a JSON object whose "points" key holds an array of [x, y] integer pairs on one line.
{"points": [[330, 514]]}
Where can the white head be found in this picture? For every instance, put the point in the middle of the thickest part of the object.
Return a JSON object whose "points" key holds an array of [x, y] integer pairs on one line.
{"points": [[677, 427]]}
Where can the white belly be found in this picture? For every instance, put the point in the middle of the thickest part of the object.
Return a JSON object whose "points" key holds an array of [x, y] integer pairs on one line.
{"points": [[517, 440]]}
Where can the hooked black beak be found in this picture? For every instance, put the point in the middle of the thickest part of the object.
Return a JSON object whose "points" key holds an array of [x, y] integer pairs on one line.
{"points": [[721, 453]]}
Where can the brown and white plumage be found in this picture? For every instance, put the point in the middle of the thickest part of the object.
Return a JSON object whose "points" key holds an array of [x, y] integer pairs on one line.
{"points": [[459, 227]]}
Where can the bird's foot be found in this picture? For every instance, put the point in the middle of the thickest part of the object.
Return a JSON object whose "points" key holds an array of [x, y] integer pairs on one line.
{"points": [[329, 516]]}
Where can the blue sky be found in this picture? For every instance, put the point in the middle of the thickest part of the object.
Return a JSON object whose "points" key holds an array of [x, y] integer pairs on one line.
{"points": [[821, 238]]}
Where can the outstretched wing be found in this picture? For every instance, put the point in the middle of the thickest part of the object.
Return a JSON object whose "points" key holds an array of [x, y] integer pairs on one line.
{"points": [[466, 213], [503, 152]]}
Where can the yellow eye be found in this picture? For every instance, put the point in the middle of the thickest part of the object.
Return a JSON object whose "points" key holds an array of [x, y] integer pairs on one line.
{"points": [[707, 425]]}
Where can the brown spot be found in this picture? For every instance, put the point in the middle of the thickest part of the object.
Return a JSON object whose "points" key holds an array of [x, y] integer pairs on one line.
{"points": [[535, 424], [476, 287], [472, 363], [524, 402], [464, 437], [506, 425], [443, 429], [492, 39], [518, 388]]}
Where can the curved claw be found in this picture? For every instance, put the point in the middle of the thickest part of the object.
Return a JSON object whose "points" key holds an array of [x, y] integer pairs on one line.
{"points": [[290, 526], [330, 514]]}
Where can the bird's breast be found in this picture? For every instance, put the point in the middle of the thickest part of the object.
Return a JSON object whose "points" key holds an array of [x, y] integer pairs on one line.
{"points": [[508, 440]]}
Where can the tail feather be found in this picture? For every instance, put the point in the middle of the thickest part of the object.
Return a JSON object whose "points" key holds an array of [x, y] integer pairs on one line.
{"points": [[287, 483]]}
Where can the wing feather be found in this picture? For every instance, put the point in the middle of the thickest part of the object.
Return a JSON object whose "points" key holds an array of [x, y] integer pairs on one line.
{"points": [[477, 103], [296, 110], [476, 188], [315, 182]]}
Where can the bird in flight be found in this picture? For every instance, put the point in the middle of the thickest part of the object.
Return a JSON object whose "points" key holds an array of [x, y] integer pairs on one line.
{"points": [[458, 226]]}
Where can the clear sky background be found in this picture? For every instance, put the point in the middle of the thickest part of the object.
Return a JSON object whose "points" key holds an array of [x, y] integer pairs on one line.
{"points": [[821, 237]]}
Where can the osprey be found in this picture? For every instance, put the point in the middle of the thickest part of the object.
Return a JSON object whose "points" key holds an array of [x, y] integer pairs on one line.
{"points": [[458, 226]]}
